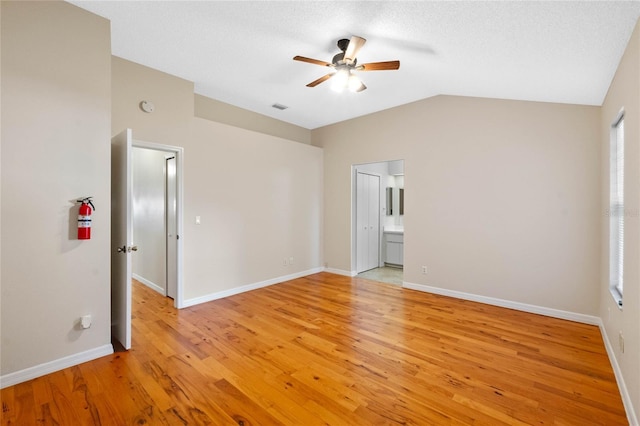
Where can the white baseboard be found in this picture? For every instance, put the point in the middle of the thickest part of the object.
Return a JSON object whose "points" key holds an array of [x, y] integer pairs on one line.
{"points": [[534, 309], [149, 284], [340, 272], [248, 287], [53, 366], [622, 387]]}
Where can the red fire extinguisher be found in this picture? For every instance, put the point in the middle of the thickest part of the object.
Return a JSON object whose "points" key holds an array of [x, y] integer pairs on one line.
{"points": [[84, 218]]}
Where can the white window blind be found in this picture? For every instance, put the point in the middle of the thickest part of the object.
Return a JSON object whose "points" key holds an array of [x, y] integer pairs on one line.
{"points": [[616, 210]]}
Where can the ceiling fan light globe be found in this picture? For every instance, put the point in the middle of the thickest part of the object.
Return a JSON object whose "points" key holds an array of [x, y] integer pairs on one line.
{"points": [[354, 84], [340, 80]]}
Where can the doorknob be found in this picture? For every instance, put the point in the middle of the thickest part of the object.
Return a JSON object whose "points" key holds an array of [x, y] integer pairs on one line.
{"points": [[133, 248]]}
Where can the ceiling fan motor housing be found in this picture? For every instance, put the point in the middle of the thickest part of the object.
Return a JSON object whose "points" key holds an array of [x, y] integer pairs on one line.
{"points": [[338, 60]]}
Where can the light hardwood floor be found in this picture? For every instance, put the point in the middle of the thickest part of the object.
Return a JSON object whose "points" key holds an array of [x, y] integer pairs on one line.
{"points": [[328, 349]]}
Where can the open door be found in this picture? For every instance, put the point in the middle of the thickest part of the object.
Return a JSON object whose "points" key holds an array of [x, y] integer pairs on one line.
{"points": [[121, 237]]}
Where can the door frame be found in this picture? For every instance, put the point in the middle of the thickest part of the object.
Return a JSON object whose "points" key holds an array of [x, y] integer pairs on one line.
{"points": [[363, 167], [171, 225], [178, 151]]}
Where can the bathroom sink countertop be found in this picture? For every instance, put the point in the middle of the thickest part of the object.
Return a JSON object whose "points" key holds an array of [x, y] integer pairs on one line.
{"points": [[394, 230]]}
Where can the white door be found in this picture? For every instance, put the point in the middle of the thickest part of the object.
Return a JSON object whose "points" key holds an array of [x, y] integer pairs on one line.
{"points": [[172, 228], [121, 237], [367, 221]]}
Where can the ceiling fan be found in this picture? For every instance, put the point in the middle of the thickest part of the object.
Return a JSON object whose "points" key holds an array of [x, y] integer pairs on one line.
{"points": [[345, 63]]}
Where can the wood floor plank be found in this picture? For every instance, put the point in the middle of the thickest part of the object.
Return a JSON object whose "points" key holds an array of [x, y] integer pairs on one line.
{"points": [[62, 408], [329, 349], [7, 396]]}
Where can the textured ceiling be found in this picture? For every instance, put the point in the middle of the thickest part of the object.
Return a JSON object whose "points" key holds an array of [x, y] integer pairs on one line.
{"points": [[240, 52]]}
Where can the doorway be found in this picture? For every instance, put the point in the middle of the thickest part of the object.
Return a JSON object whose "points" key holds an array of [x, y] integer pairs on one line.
{"points": [[122, 239], [377, 221], [154, 212]]}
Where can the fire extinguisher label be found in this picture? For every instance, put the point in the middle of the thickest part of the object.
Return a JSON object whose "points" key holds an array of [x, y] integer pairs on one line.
{"points": [[84, 221]]}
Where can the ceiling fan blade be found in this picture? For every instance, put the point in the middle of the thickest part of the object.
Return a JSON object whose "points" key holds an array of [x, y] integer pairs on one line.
{"points": [[379, 66], [355, 44], [314, 83], [312, 61]]}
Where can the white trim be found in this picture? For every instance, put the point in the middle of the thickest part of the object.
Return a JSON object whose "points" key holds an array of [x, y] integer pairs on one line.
{"points": [[622, 387], [341, 272], [618, 118], [248, 287], [150, 284], [534, 309], [53, 366], [617, 296]]}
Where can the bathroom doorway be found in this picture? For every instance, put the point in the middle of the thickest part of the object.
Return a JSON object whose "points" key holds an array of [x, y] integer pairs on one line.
{"points": [[378, 221]]}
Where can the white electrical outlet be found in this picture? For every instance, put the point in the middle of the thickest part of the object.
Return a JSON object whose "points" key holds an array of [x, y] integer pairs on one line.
{"points": [[424, 270], [291, 260], [85, 321]]}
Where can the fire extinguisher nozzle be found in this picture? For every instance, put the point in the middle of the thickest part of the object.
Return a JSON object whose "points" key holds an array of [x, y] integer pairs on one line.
{"points": [[87, 200]]}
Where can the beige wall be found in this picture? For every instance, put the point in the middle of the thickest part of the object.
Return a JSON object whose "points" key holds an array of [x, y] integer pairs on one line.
{"points": [[172, 96], [55, 148], [624, 93], [221, 112], [260, 201], [501, 197], [259, 196]]}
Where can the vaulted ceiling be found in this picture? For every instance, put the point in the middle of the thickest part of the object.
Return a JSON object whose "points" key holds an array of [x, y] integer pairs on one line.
{"points": [[240, 52]]}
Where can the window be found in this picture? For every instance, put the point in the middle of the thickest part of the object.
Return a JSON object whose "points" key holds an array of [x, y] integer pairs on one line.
{"points": [[616, 210]]}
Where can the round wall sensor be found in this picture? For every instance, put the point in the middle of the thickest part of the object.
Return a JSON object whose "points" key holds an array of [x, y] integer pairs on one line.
{"points": [[147, 106]]}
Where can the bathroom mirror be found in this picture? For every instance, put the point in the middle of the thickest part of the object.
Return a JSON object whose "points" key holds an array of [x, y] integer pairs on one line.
{"points": [[395, 201]]}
